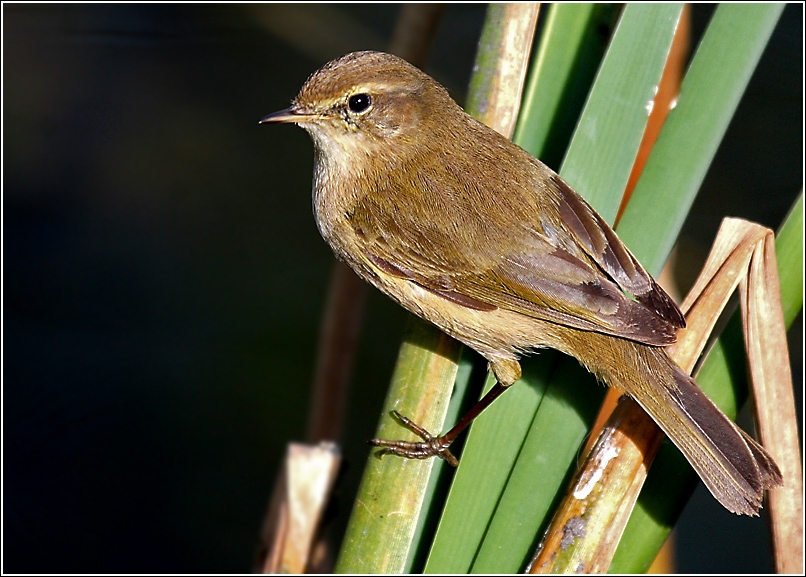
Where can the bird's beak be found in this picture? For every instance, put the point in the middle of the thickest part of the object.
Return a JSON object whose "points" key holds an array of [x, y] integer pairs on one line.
{"points": [[289, 115]]}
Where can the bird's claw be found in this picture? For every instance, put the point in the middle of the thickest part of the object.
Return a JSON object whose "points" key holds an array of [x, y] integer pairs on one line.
{"points": [[429, 447]]}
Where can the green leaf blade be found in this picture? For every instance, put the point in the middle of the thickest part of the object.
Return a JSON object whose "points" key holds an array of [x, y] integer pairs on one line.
{"points": [[709, 95], [569, 54], [605, 144]]}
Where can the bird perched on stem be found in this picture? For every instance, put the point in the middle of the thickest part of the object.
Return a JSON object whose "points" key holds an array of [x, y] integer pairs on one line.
{"points": [[467, 230]]}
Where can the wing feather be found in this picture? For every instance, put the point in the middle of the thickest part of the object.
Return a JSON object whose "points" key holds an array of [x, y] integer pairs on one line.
{"points": [[571, 270]]}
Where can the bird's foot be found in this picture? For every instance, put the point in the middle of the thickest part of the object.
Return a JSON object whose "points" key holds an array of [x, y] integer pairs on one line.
{"points": [[430, 446]]}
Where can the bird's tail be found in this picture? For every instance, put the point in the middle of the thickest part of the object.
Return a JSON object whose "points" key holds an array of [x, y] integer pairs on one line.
{"points": [[732, 465]]}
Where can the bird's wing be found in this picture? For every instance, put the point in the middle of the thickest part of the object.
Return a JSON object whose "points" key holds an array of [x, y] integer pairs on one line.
{"points": [[577, 274]]}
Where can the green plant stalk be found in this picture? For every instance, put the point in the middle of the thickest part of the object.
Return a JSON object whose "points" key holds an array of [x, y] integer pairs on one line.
{"points": [[380, 534], [602, 152], [569, 53], [789, 253], [439, 481], [482, 475]]}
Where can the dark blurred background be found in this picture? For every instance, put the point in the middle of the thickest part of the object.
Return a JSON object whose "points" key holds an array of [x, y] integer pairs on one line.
{"points": [[163, 278]]}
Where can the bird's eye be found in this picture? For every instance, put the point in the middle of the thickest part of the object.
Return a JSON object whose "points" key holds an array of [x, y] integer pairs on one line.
{"points": [[359, 102]]}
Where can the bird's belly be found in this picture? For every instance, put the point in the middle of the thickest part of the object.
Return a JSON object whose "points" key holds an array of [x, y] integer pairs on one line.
{"points": [[495, 334]]}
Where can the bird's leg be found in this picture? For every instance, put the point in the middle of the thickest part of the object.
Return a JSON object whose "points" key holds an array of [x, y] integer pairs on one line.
{"points": [[435, 446]]}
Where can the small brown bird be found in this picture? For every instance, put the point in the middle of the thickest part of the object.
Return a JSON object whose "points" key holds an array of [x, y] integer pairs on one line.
{"points": [[467, 230]]}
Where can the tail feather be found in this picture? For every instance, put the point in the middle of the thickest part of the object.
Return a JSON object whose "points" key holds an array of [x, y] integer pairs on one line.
{"points": [[732, 465]]}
